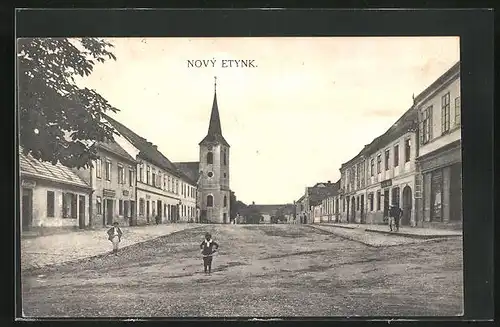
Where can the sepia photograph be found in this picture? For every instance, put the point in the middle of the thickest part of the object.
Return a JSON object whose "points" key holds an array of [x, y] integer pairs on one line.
{"points": [[183, 177]]}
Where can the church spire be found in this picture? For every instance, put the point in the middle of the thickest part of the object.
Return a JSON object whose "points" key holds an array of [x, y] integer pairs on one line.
{"points": [[214, 127]]}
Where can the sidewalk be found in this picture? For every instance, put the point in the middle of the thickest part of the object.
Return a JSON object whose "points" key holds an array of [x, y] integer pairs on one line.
{"points": [[413, 232], [59, 248]]}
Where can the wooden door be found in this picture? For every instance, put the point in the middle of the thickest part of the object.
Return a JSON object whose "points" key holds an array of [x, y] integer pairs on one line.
{"points": [[27, 208]]}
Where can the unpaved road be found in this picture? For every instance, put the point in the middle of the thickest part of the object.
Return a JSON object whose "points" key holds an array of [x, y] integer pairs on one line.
{"points": [[260, 271]]}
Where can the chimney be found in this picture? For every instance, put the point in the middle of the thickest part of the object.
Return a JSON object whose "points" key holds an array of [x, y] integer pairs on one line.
{"points": [[329, 182]]}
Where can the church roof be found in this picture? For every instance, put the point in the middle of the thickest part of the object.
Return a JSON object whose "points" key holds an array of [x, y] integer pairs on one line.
{"points": [[190, 169], [214, 134]]}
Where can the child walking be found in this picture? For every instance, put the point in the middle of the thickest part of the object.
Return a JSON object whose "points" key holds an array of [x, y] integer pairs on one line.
{"points": [[207, 250], [115, 236]]}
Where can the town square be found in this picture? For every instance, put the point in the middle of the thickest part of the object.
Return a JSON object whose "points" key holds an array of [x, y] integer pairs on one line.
{"points": [[154, 184]]}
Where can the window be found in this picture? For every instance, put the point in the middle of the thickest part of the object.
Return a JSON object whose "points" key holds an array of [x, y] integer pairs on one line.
{"points": [[425, 125], [225, 158], [130, 176], [99, 205], [153, 178], [379, 162], [164, 182], [372, 167], [457, 111], [395, 196], [343, 204], [378, 200], [98, 168], [141, 207], [168, 184], [176, 186], [407, 149], [120, 207], [210, 201], [445, 113], [225, 175], [108, 170], [387, 157], [210, 158], [370, 198], [159, 180], [121, 175], [148, 173], [141, 172], [69, 205], [182, 189], [210, 174], [225, 201], [50, 203], [396, 155], [357, 203]]}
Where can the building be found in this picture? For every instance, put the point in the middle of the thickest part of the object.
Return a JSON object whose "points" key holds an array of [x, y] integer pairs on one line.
{"points": [[113, 182], [439, 158], [268, 211], [391, 172], [212, 172], [309, 205], [352, 186], [300, 209], [330, 205], [51, 195], [162, 189]]}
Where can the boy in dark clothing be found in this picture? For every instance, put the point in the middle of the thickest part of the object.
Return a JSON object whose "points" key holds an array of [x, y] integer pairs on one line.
{"points": [[207, 250], [115, 236], [395, 213]]}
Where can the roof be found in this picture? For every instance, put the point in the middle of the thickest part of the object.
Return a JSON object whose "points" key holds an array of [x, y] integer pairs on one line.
{"points": [[317, 194], [115, 148], [214, 134], [440, 80], [268, 209], [190, 169], [147, 150], [29, 166]]}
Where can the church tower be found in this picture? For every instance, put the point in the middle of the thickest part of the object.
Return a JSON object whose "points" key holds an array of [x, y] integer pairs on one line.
{"points": [[213, 187]]}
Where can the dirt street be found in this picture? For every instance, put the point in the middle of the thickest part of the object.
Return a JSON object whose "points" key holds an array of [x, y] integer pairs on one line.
{"points": [[260, 271]]}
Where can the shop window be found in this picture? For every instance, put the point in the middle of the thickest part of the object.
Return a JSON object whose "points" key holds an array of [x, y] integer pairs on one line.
{"points": [[370, 198], [141, 207], [126, 212], [395, 196]]}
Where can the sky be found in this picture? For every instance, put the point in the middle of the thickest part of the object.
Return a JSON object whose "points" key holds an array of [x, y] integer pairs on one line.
{"points": [[308, 106]]}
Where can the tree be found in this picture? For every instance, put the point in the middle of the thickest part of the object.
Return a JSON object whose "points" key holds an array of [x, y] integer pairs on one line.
{"points": [[59, 121]]}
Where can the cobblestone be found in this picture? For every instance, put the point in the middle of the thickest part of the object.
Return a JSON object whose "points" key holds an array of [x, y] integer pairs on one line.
{"points": [[60, 248]]}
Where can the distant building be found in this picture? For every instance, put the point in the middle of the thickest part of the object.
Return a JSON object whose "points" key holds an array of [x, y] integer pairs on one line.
{"points": [[52, 196], [330, 205], [439, 158]]}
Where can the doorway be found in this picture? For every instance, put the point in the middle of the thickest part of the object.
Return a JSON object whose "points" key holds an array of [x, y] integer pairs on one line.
{"points": [[109, 212], [225, 218], [147, 212], [407, 205], [81, 212], [353, 209], [362, 209], [27, 209], [386, 204]]}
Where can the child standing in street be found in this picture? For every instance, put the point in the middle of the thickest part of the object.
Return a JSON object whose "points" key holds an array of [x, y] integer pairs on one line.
{"points": [[115, 236], [207, 250]]}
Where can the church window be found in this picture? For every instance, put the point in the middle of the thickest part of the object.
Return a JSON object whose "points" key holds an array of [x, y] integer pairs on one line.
{"points": [[210, 201], [225, 158], [210, 158], [225, 201], [210, 174]]}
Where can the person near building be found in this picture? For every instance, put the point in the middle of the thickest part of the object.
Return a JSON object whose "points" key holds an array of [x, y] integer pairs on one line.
{"points": [[398, 213], [115, 236], [208, 248]]}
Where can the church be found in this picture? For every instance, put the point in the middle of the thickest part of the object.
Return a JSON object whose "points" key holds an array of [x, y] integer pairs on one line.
{"points": [[212, 171]]}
